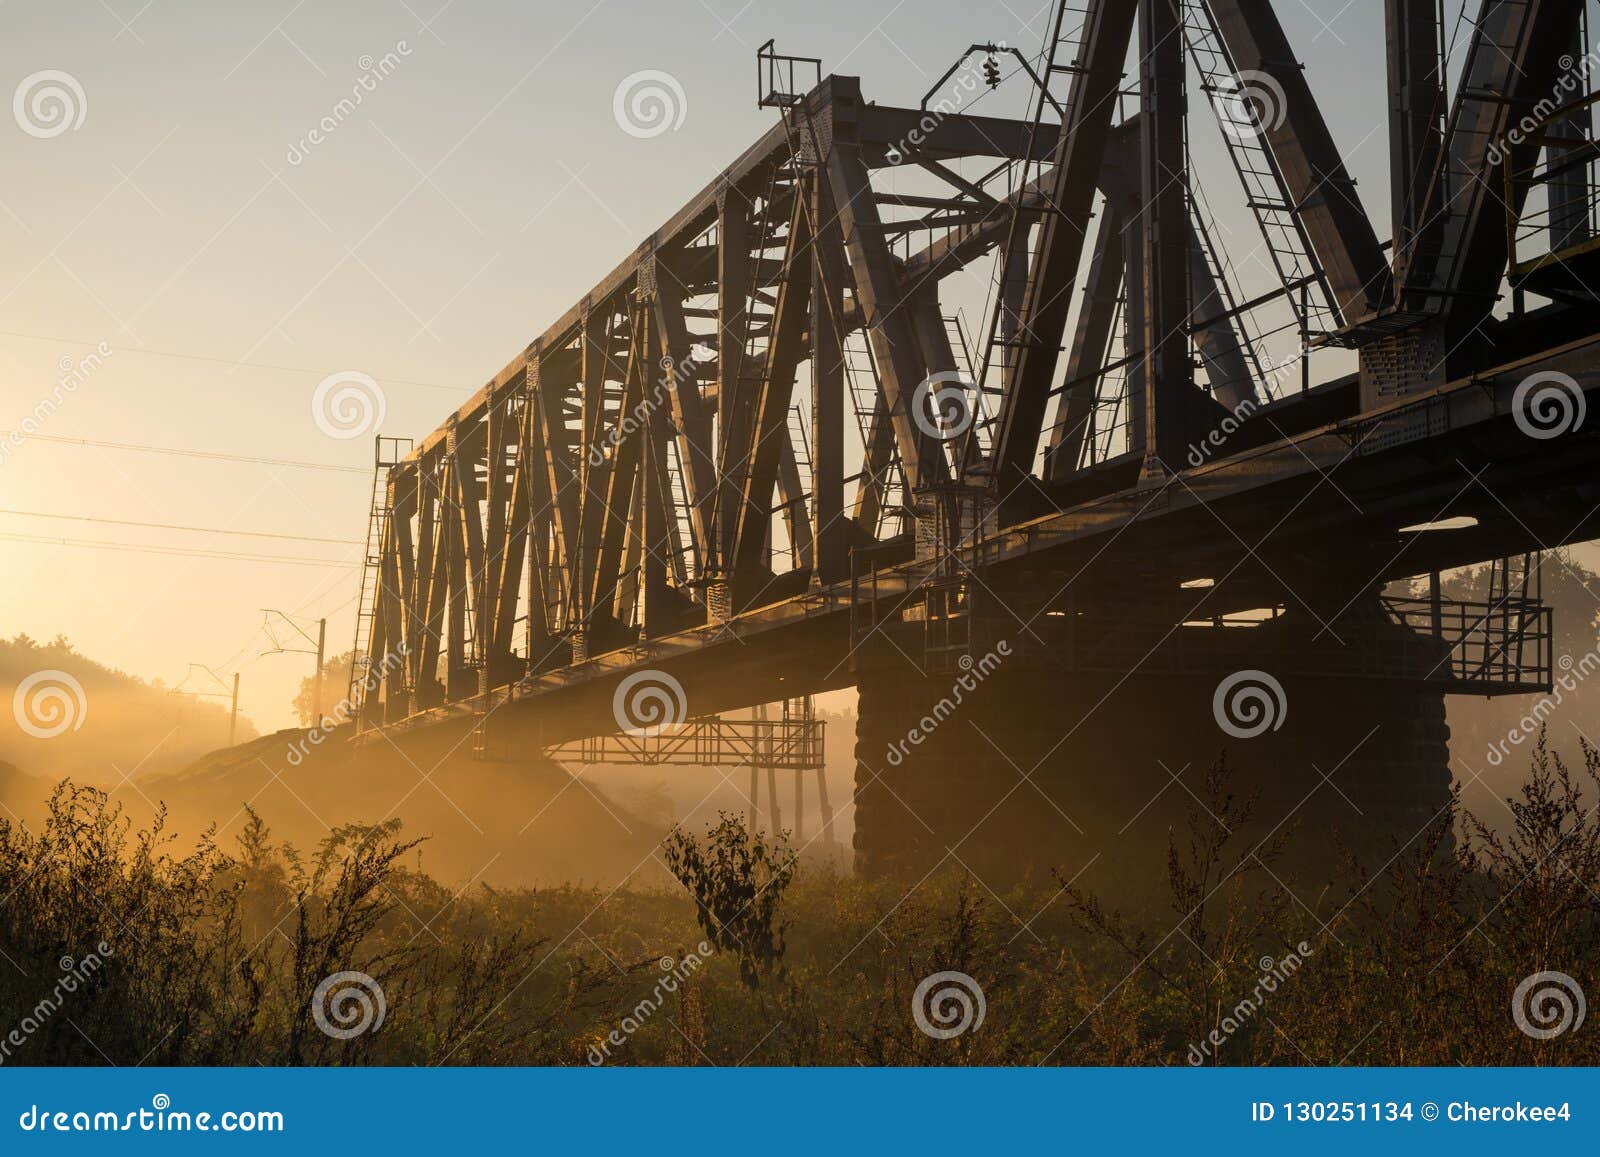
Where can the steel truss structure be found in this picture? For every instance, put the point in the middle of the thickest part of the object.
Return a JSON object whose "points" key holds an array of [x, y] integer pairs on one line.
{"points": [[764, 420]]}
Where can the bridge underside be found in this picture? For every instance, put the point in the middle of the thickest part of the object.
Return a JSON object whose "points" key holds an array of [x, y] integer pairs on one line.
{"points": [[763, 458]]}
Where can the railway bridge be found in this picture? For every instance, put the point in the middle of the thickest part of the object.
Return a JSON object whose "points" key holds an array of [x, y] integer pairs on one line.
{"points": [[979, 415]]}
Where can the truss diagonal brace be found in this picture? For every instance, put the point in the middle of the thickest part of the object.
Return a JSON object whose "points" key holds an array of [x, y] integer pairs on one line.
{"points": [[1316, 181], [1080, 149]]}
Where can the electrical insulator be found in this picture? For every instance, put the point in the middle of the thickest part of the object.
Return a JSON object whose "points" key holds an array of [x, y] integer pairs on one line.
{"points": [[991, 72]]}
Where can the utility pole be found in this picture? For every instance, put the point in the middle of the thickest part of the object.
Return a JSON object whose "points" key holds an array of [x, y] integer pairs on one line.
{"points": [[278, 648], [224, 693], [316, 694]]}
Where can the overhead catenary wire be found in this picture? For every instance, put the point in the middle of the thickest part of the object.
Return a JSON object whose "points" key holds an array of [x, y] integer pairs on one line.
{"points": [[217, 455], [185, 552], [176, 526], [220, 361]]}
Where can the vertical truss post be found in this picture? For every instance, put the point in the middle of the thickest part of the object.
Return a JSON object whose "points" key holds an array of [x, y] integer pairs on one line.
{"points": [[768, 419], [674, 368], [1091, 342], [1168, 371], [1080, 149], [830, 536], [616, 505], [734, 410], [1416, 111], [879, 295]]}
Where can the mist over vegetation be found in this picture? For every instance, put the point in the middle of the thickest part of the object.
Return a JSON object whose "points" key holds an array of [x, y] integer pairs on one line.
{"points": [[172, 900], [127, 725]]}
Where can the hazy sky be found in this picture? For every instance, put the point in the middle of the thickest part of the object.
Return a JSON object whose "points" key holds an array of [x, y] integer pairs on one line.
{"points": [[475, 191]]}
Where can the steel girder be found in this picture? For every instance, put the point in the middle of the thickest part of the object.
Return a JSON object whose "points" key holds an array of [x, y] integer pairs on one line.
{"points": [[633, 471], [638, 471], [1456, 252]]}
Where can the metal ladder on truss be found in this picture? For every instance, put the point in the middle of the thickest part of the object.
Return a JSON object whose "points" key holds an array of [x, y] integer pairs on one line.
{"points": [[1265, 194], [684, 535], [800, 440], [955, 328], [1062, 50], [386, 454], [1220, 270], [861, 378]]}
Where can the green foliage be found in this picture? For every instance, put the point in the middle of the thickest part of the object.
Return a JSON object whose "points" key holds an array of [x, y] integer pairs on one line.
{"points": [[212, 958], [122, 721], [335, 687], [737, 881]]}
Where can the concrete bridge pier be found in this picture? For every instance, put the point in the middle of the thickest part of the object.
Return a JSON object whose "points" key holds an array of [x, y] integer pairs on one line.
{"points": [[1029, 769]]}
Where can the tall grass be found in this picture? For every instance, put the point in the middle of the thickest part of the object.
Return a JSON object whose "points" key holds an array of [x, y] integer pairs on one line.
{"points": [[214, 957]]}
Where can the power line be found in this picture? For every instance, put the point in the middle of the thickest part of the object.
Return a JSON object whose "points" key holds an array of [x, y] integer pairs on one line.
{"points": [[217, 360], [174, 526], [213, 454], [232, 556]]}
